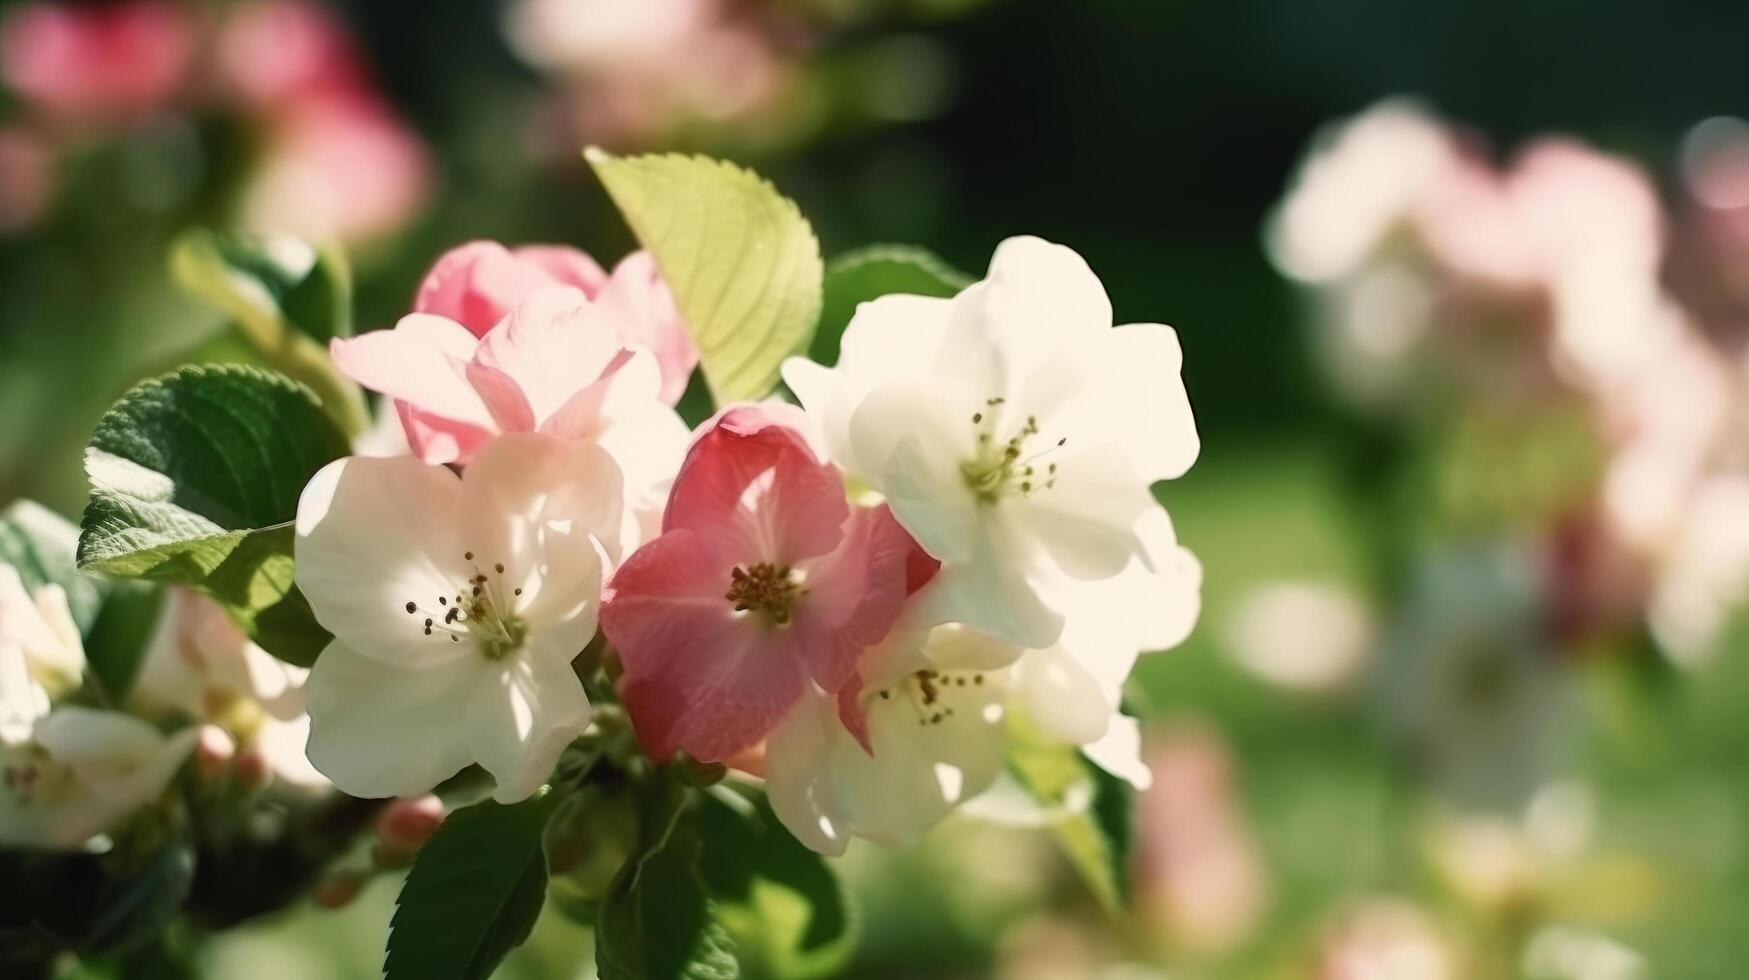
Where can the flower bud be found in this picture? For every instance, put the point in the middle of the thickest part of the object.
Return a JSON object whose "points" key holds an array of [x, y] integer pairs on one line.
{"points": [[213, 751], [338, 889], [409, 823]]}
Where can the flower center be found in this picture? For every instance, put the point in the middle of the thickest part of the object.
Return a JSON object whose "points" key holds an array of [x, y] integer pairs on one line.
{"points": [[483, 610], [766, 589], [1002, 467], [933, 694]]}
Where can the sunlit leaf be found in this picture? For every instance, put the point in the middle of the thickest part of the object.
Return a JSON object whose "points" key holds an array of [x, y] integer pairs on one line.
{"points": [[742, 261]]}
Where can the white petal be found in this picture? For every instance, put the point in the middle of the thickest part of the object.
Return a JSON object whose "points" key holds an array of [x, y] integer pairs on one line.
{"points": [[1143, 398], [377, 730], [1085, 516], [799, 777], [374, 535], [1061, 698], [283, 744], [1119, 752], [43, 628], [993, 591], [913, 440], [1038, 298], [541, 507], [822, 393], [919, 771], [519, 724], [22, 698]]}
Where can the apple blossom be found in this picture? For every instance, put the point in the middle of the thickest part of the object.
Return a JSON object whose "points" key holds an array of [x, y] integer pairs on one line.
{"points": [[201, 665], [457, 605], [1012, 430], [1072, 691], [764, 581], [480, 283], [70, 773], [922, 731], [557, 365], [113, 60], [41, 628]]}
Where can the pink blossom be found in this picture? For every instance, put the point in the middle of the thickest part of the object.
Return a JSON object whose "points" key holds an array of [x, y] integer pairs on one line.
{"points": [[96, 61], [556, 365], [344, 167], [287, 51], [765, 580], [479, 283], [27, 178]]}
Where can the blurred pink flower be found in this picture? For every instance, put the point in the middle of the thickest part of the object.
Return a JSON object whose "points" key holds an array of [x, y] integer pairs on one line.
{"points": [[764, 582], [27, 178], [96, 61], [636, 68], [479, 283], [1201, 875], [1387, 938], [278, 52], [344, 167]]}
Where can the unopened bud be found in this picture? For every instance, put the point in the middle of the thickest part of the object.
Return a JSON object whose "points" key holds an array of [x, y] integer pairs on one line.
{"points": [[392, 857], [213, 750], [410, 823], [338, 889]]}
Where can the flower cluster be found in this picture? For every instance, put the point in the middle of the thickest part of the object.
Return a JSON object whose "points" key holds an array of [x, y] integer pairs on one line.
{"points": [[330, 157], [858, 599], [1547, 303]]}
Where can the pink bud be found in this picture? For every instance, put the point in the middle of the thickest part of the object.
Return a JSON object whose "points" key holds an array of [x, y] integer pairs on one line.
{"points": [[410, 823], [213, 751]]}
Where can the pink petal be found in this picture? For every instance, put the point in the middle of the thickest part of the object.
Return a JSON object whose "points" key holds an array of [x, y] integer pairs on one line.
{"points": [[480, 283], [422, 364], [435, 439], [565, 266], [854, 594], [552, 346], [750, 476], [642, 307], [698, 677]]}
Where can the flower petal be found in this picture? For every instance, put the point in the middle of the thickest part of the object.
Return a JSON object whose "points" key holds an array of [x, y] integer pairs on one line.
{"points": [[1037, 299], [993, 591], [522, 719], [378, 730], [914, 438], [1061, 699], [854, 595], [422, 361], [552, 346], [373, 535], [1119, 752], [698, 676], [759, 480], [639, 303], [1085, 517], [1144, 401]]}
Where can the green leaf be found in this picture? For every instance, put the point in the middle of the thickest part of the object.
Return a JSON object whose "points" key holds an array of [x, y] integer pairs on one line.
{"points": [[742, 261], [1090, 810], [42, 545], [870, 273], [117, 643], [195, 480], [474, 893], [287, 300], [658, 922], [785, 908]]}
